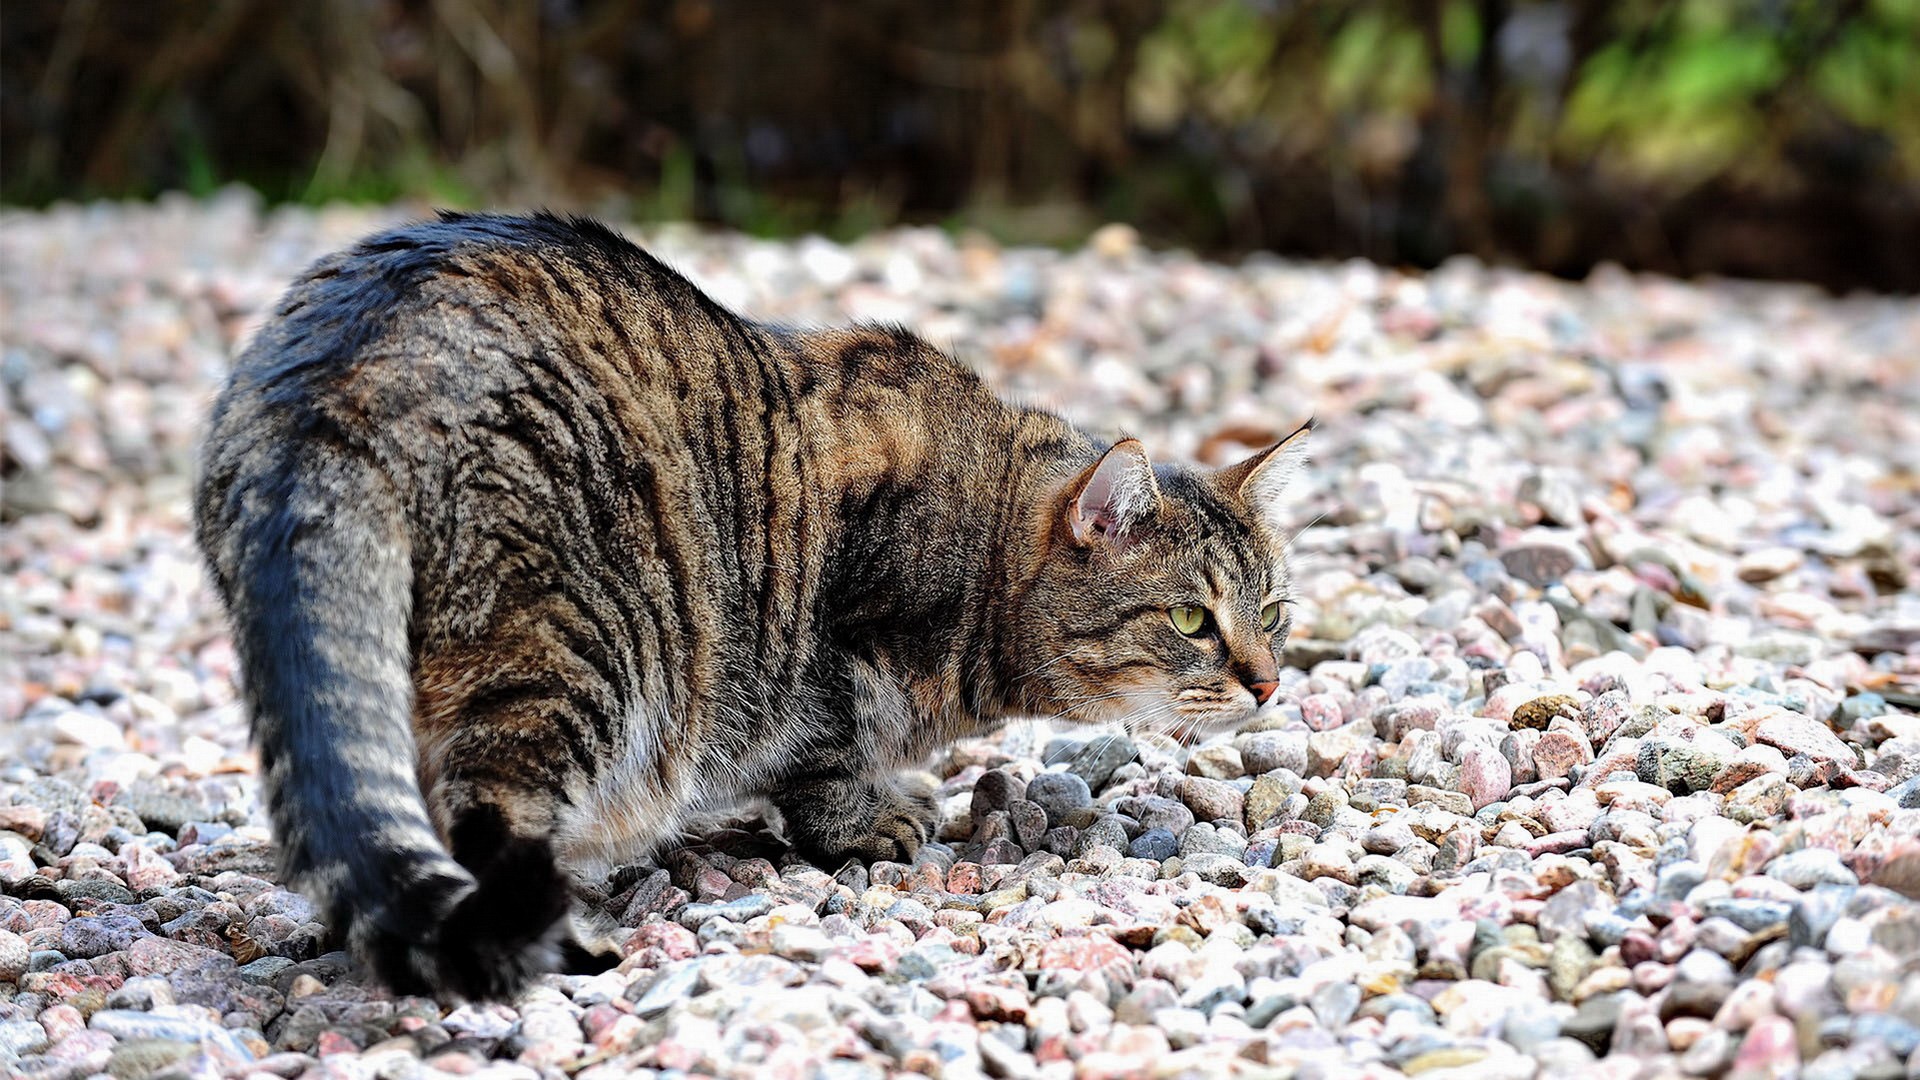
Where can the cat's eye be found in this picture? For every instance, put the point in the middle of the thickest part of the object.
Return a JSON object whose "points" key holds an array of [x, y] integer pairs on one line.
{"points": [[1188, 620], [1270, 615]]}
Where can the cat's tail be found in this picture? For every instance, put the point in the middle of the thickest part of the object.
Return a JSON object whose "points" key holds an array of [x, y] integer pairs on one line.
{"points": [[309, 545]]}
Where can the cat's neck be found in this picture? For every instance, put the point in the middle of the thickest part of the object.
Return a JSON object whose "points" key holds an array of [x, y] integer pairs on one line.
{"points": [[939, 489]]}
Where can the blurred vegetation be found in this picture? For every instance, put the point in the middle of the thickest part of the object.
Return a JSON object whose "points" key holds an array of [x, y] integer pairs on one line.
{"points": [[1776, 138]]}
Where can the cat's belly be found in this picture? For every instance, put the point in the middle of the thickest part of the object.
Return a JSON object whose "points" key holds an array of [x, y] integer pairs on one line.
{"points": [[635, 804], [641, 801]]}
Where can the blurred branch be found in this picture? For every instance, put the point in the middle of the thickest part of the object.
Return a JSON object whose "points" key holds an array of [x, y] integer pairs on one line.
{"points": [[185, 52], [1743, 136]]}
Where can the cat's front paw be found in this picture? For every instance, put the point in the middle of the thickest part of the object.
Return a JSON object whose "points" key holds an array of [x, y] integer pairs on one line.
{"points": [[874, 822], [903, 821]]}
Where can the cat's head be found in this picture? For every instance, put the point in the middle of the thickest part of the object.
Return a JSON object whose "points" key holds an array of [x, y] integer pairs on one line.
{"points": [[1162, 597]]}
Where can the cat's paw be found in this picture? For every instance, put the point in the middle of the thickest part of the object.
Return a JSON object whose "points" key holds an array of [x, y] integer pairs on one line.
{"points": [[903, 821], [876, 821]]}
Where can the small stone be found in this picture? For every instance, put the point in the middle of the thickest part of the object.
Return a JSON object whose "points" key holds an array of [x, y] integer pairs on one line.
{"points": [[1211, 800], [803, 943], [1900, 873], [1095, 763], [1109, 832], [1216, 869], [1538, 712], [995, 790], [1029, 823], [264, 970], [86, 729], [1681, 766], [1770, 1049], [1794, 734], [15, 956], [1485, 775], [1328, 751], [1558, 753], [18, 1038], [1115, 241], [1335, 1003], [1266, 800], [1328, 861], [1594, 1021], [1765, 564], [673, 984], [1158, 845], [1264, 751], [1809, 867], [1701, 982], [147, 1057], [1541, 564], [1217, 762], [1759, 799], [1058, 793]]}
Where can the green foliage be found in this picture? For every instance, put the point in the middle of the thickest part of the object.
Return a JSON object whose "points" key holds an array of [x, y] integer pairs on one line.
{"points": [[1376, 61], [1680, 110], [1460, 33]]}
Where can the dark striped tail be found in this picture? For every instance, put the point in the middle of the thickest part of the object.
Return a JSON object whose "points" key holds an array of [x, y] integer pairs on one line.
{"points": [[318, 580]]}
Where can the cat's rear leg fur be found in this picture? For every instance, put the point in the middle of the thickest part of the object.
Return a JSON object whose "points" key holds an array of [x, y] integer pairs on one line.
{"points": [[832, 818], [513, 926]]}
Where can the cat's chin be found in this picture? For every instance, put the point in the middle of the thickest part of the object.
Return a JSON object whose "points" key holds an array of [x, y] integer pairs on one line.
{"points": [[1192, 731]]}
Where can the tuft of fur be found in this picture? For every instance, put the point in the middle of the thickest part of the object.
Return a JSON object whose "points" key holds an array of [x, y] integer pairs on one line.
{"points": [[533, 552]]}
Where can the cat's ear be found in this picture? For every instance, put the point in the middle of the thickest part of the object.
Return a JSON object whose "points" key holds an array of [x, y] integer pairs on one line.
{"points": [[1113, 495], [1260, 482]]}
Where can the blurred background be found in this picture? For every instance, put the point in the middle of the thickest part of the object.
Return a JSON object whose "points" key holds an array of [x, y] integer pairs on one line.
{"points": [[1758, 138]]}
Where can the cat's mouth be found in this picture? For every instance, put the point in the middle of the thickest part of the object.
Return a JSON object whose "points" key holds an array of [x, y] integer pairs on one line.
{"points": [[1187, 716], [1192, 731], [1199, 714]]}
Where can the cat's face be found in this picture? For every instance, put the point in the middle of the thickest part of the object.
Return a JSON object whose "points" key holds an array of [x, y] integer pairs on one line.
{"points": [[1162, 601]]}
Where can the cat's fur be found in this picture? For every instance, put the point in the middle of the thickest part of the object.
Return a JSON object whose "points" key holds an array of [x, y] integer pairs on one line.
{"points": [[530, 549]]}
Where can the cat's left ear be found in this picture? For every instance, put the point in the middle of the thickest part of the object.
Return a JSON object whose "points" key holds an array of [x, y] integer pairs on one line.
{"points": [[1112, 495], [1261, 480]]}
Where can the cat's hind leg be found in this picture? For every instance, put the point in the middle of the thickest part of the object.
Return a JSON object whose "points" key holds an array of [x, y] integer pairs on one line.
{"points": [[513, 925]]}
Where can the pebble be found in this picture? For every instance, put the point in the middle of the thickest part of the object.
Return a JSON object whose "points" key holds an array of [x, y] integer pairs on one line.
{"points": [[1211, 800], [1485, 775], [1158, 845], [1809, 867], [1059, 793], [1101, 758]]}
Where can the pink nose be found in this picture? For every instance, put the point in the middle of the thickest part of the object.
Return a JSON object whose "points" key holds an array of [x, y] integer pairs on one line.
{"points": [[1263, 691]]}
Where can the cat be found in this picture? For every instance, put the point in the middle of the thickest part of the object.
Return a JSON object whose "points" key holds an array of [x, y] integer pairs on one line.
{"points": [[530, 550]]}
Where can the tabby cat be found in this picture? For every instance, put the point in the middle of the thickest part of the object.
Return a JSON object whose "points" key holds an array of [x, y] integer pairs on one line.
{"points": [[531, 550]]}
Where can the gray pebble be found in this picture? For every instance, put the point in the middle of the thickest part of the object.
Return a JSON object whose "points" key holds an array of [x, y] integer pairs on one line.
{"points": [[1057, 793], [995, 790], [1156, 844], [1095, 763]]}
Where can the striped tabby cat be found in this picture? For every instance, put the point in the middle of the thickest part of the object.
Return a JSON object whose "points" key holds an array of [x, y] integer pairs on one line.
{"points": [[531, 549]]}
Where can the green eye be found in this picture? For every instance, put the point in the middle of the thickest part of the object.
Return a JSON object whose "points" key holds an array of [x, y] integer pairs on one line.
{"points": [[1188, 620], [1270, 616]]}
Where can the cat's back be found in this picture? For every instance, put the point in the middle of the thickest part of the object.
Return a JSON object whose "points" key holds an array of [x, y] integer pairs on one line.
{"points": [[453, 306], [485, 370]]}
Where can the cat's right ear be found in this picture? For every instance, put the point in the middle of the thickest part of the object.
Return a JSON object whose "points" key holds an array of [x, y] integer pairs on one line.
{"points": [[1112, 496], [1261, 480]]}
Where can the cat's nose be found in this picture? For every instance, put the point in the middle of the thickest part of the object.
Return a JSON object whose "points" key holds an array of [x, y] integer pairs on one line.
{"points": [[1263, 691]]}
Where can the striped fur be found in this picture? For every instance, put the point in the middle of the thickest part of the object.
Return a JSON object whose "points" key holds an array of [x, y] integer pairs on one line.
{"points": [[531, 550]]}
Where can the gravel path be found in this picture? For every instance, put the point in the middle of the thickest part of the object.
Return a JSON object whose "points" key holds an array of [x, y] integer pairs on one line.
{"points": [[1598, 751]]}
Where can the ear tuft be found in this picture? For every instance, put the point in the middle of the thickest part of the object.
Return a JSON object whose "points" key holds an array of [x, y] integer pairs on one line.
{"points": [[1113, 495], [1261, 481]]}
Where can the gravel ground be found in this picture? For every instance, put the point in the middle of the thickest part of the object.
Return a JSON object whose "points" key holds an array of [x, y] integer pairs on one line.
{"points": [[1597, 752]]}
